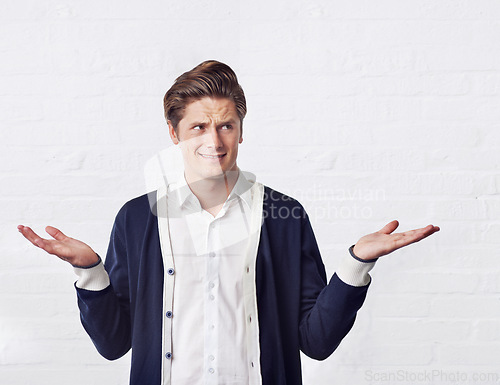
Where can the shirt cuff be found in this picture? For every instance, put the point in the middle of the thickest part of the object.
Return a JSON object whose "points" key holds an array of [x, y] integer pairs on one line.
{"points": [[354, 271], [93, 278]]}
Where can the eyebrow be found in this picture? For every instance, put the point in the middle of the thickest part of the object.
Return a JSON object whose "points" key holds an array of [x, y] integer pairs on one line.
{"points": [[228, 121], [222, 123]]}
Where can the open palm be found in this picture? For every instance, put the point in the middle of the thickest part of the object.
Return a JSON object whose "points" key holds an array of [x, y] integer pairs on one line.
{"points": [[68, 249], [383, 242]]}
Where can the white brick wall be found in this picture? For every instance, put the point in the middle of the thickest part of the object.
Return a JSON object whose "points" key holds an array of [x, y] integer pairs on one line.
{"points": [[365, 110]]}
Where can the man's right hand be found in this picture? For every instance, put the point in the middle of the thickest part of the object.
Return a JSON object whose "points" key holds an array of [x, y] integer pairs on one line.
{"points": [[68, 249]]}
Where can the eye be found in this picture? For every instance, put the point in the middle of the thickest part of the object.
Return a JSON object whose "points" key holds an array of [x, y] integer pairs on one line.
{"points": [[226, 127], [197, 128]]}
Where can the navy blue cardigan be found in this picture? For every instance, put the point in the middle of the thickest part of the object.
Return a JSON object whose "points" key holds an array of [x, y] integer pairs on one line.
{"points": [[297, 309]]}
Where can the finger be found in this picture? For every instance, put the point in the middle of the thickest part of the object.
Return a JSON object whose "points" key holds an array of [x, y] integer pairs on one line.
{"points": [[50, 246], [30, 235], [424, 231], [429, 230], [389, 228], [55, 233], [416, 235]]}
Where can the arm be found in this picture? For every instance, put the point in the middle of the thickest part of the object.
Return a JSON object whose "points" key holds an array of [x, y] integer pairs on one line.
{"points": [[105, 308], [104, 311], [327, 317], [327, 312]]}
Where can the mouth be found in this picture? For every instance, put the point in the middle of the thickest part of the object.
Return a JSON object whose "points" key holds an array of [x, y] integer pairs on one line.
{"points": [[215, 156]]}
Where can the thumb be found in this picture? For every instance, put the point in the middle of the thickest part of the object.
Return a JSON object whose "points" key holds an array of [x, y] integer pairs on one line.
{"points": [[55, 233], [389, 228]]}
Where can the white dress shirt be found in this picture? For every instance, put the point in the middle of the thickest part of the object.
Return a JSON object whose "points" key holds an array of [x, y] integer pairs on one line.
{"points": [[208, 314]]}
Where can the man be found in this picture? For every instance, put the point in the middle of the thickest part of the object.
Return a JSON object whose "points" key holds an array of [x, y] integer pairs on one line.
{"points": [[215, 278]]}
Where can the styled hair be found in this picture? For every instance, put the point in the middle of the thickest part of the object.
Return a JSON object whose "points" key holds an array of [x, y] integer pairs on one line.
{"points": [[210, 78]]}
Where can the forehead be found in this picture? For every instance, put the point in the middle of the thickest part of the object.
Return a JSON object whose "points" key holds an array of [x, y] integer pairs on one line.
{"points": [[208, 108]]}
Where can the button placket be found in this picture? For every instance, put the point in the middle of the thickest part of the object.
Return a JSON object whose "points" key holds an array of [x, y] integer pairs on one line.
{"points": [[211, 305]]}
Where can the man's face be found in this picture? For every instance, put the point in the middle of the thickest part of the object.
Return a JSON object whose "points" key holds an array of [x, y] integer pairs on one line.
{"points": [[208, 134]]}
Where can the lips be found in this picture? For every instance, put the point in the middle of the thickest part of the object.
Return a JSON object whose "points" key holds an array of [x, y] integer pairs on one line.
{"points": [[214, 156]]}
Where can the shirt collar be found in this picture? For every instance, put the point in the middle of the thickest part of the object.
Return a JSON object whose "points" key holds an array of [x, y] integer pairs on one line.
{"points": [[240, 190]]}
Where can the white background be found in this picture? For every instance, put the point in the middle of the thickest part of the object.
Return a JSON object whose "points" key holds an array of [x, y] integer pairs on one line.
{"points": [[366, 111]]}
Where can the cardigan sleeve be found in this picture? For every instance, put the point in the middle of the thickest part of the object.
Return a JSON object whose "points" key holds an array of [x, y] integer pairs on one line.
{"points": [[105, 314], [327, 312]]}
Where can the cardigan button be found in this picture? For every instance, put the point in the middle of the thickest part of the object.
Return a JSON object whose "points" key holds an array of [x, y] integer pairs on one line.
{"points": [[169, 314], [170, 271], [168, 356]]}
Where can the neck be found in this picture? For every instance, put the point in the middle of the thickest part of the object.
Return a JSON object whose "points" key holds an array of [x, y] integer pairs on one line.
{"points": [[213, 192]]}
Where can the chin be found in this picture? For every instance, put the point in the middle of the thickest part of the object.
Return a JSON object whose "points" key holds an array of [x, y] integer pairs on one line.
{"points": [[216, 174], [213, 174]]}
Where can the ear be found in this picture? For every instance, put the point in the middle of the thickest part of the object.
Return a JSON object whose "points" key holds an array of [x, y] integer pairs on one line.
{"points": [[241, 131], [172, 132]]}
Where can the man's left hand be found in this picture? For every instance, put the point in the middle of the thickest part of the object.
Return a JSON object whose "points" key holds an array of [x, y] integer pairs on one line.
{"points": [[383, 242]]}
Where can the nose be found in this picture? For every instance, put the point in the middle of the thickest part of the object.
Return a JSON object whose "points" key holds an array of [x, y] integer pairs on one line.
{"points": [[213, 138]]}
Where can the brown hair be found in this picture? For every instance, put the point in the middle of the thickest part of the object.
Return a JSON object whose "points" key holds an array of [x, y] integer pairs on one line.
{"points": [[210, 78]]}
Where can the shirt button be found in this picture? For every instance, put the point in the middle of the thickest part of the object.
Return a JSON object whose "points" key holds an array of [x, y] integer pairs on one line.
{"points": [[211, 358], [170, 271], [212, 254], [169, 314], [211, 370], [211, 285], [168, 356], [211, 297]]}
